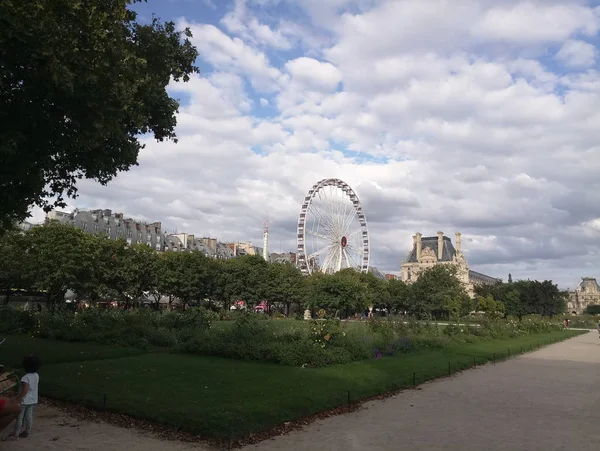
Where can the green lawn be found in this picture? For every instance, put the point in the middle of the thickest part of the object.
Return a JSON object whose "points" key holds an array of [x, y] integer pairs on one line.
{"points": [[51, 351], [203, 394]]}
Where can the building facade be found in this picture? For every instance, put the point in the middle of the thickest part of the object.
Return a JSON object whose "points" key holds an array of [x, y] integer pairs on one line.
{"points": [[439, 250], [586, 293], [117, 225], [113, 225]]}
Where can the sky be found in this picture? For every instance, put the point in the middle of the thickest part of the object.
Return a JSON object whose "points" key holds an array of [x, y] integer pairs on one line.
{"points": [[478, 116]]}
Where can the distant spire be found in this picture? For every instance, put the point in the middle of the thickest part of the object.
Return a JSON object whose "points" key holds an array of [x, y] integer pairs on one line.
{"points": [[509, 278]]}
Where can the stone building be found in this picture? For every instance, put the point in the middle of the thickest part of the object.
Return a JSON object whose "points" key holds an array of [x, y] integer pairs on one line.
{"points": [[587, 293], [435, 250], [117, 225], [113, 225]]}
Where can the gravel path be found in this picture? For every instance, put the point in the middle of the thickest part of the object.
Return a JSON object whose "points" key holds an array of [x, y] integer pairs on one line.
{"points": [[546, 400], [55, 430]]}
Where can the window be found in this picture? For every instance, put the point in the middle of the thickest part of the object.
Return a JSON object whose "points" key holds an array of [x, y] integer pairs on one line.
{"points": [[129, 235], [149, 237], [95, 227], [84, 225], [108, 230]]}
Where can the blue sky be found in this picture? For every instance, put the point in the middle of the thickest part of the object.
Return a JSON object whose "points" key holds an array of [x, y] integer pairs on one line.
{"points": [[479, 116]]}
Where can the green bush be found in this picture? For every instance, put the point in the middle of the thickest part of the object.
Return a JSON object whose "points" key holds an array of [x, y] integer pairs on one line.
{"points": [[139, 328], [16, 322]]}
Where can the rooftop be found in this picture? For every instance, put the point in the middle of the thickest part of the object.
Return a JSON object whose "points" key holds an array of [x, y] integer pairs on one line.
{"points": [[431, 242]]}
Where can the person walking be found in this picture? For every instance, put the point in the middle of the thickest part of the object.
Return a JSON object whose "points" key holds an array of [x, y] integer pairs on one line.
{"points": [[28, 398]]}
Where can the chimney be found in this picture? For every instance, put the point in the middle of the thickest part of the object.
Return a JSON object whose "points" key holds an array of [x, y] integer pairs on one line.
{"points": [[440, 252], [418, 244], [457, 244]]}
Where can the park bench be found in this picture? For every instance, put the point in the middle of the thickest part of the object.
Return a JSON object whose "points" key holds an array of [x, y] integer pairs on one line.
{"points": [[9, 384]]}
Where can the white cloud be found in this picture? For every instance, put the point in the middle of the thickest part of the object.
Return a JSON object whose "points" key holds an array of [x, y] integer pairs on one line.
{"points": [[576, 53], [464, 128], [530, 23], [242, 23], [233, 55], [313, 74]]}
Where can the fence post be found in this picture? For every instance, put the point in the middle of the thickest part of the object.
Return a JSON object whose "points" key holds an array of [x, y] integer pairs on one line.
{"points": [[229, 435], [521, 349], [414, 380]]}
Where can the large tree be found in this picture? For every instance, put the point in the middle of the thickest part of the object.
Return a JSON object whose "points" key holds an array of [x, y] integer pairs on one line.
{"points": [[246, 278], [343, 291], [80, 81], [437, 292], [57, 260], [378, 294], [399, 295], [285, 285], [13, 264]]}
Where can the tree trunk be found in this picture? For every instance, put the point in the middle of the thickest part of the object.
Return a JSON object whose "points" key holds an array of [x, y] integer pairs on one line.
{"points": [[7, 295]]}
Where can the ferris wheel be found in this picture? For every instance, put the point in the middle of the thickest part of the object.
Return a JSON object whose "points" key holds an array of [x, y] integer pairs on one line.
{"points": [[332, 230]]}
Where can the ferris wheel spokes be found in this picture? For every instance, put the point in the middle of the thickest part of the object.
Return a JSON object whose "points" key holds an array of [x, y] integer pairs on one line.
{"points": [[318, 235], [319, 252], [348, 258], [321, 219]]}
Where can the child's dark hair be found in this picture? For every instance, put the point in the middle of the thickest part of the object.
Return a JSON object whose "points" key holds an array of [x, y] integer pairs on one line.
{"points": [[32, 364]]}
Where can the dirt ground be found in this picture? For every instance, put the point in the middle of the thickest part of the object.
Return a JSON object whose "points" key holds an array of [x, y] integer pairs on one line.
{"points": [[54, 429], [547, 400]]}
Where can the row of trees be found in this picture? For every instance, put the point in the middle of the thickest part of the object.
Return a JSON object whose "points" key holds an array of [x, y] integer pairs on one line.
{"points": [[526, 297], [55, 258]]}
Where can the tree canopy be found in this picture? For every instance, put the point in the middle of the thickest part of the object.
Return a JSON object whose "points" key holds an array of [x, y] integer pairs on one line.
{"points": [[56, 258], [525, 297], [437, 291], [80, 82]]}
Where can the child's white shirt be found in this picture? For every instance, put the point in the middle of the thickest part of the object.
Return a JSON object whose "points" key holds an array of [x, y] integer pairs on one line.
{"points": [[33, 381]]}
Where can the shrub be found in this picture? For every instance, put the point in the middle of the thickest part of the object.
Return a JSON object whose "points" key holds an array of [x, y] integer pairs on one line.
{"points": [[13, 321], [325, 332], [381, 326], [246, 327], [160, 337]]}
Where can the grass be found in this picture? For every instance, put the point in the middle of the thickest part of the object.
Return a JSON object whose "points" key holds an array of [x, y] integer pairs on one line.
{"points": [[202, 395], [51, 351]]}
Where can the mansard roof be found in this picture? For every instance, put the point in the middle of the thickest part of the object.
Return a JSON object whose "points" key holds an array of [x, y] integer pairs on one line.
{"points": [[431, 242], [483, 277]]}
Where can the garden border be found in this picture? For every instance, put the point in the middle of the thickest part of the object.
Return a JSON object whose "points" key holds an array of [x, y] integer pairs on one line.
{"points": [[164, 432]]}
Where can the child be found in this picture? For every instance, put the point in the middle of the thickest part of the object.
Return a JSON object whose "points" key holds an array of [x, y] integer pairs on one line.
{"points": [[28, 397]]}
